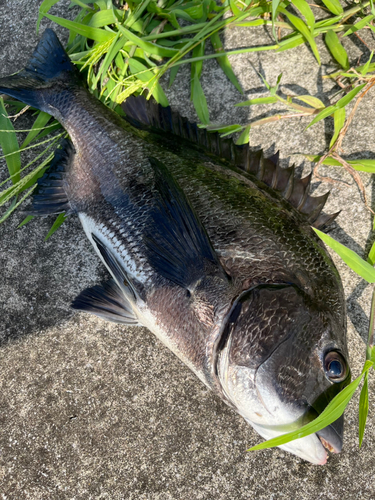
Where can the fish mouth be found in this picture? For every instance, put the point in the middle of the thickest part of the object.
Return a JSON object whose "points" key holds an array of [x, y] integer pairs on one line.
{"points": [[331, 436]]}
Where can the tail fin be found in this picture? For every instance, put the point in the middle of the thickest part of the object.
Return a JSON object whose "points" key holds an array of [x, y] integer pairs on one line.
{"points": [[48, 65]]}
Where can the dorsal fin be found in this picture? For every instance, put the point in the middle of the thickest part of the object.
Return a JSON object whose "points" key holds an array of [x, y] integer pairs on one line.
{"points": [[144, 113]]}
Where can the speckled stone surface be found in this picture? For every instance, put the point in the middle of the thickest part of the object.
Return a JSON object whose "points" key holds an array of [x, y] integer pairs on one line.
{"points": [[93, 410]]}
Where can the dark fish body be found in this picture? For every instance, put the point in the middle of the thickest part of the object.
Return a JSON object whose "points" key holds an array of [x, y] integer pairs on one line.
{"points": [[204, 250]]}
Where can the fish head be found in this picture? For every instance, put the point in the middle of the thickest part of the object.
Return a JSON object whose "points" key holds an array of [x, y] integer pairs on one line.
{"points": [[280, 361]]}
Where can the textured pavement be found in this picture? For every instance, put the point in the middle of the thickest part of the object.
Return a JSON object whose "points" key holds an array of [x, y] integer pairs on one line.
{"points": [[93, 410]]}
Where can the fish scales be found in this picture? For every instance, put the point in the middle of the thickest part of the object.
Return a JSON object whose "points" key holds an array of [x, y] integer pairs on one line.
{"points": [[204, 248]]}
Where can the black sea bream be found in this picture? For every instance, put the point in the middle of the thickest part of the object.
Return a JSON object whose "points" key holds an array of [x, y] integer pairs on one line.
{"points": [[210, 246]]}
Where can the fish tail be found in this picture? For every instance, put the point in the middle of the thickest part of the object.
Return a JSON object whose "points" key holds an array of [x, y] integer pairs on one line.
{"points": [[48, 73]]}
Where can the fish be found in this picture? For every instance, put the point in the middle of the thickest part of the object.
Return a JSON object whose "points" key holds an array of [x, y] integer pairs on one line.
{"points": [[209, 245]]}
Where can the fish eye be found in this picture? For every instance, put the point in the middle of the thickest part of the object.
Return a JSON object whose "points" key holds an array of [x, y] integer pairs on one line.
{"points": [[335, 367]]}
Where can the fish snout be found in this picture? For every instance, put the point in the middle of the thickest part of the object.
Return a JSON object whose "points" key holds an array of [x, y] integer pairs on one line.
{"points": [[331, 436]]}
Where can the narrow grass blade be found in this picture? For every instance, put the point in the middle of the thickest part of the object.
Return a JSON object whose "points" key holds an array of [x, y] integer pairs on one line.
{"points": [[148, 47], [199, 101], [59, 220], [337, 50], [146, 76], [363, 409], [43, 9], [40, 122], [353, 260], [224, 61], [102, 18], [366, 67], [259, 100], [371, 255], [245, 136], [25, 221], [339, 120], [332, 412], [275, 4], [97, 34], [9, 144]]}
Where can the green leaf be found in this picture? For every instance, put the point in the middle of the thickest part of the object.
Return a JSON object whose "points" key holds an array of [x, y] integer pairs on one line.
{"points": [[304, 30], [353, 260], [358, 26], [59, 220], [275, 5], [40, 122], [199, 101], [290, 43], [43, 9], [148, 47], [224, 61], [236, 11], [9, 144], [145, 75], [25, 221], [259, 100], [97, 34], [328, 111], [334, 6], [344, 101], [337, 50], [332, 412], [363, 409], [173, 74], [339, 120], [102, 18], [305, 10], [274, 89], [245, 136], [366, 67], [314, 102], [371, 255], [359, 165]]}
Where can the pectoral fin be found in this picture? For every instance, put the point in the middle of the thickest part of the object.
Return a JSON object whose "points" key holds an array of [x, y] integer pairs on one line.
{"points": [[108, 302], [178, 245]]}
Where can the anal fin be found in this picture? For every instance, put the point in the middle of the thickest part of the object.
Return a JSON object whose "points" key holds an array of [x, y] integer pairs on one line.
{"points": [[108, 302]]}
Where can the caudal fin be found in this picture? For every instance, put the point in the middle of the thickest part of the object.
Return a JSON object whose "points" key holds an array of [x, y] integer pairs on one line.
{"points": [[48, 67]]}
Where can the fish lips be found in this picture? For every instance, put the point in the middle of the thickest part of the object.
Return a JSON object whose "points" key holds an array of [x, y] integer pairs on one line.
{"points": [[331, 436]]}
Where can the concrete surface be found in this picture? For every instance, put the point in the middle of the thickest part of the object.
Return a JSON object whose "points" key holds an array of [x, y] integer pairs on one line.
{"points": [[92, 410]]}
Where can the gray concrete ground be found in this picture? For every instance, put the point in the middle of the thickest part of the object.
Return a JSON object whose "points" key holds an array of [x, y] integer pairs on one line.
{"points": [[92, 410]]}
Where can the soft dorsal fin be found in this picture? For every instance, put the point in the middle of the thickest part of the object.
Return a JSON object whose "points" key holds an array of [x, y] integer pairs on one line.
{"points": [[142, 113], [50, 196]]}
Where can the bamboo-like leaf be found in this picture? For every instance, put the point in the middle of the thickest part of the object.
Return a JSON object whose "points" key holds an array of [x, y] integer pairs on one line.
{"points": [[359, 165], [332, 412], [334, 6], [360, 25], [337, 50], [102, 18], [338, 120], [314, 102], [275, 5], [258, 100], [353, 260], [224, 61], [290, 43], [305, 10], [344, 101], [233, 7], [366, 67], [304, 30], [27, 219], [173, 74], [9, 144], [328, 111], [97, 34], [245, 136], [59, 220], [363, 409]]}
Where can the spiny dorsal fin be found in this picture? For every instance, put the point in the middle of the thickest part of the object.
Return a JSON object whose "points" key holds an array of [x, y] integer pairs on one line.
{"points": [[50, 197], [142, 113]]}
